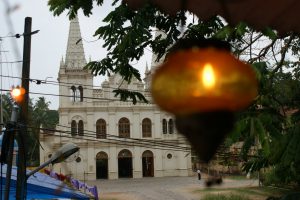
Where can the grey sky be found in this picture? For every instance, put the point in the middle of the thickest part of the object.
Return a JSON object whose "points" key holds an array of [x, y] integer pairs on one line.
{"points": [[49, 45]]}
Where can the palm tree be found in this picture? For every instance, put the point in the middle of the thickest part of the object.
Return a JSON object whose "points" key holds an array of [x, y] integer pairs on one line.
{"points": [[39, 118], [6, 106]]}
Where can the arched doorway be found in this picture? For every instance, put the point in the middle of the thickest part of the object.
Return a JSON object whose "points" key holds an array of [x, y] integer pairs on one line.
{"points": [[125, 164], [148, 164], [101, 165]]}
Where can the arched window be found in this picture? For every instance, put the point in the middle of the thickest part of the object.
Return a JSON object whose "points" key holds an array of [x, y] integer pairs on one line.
{"points": [[80, 89], [73, 93], [73, 128], [101, 129], [171, 126], [124, 127], [101, 155], [80, 128], [125, 154], [146, 127], [164, 126]]}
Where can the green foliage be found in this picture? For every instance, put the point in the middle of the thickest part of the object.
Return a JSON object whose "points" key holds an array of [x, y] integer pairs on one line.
{"points": [[230, 33], [269, 33], [53, 118], [41, 116], [292, 151], [135, 96], [224, 197], [100, 68], [272, 178], [255, 164], [7, 107], [59, 6], [283, 176]]}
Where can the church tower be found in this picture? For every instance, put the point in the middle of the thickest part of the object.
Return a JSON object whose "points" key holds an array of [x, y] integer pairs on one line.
{"points": [[75, 81]]}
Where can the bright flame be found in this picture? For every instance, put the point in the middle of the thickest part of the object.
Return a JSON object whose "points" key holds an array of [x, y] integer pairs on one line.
{"points": [[208, 76], [16, 92]]}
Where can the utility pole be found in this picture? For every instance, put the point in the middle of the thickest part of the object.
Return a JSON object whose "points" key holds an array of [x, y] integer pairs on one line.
{"points": [[8, 144], [15, 129], [22, 134], [1, 98], [26, 68]]}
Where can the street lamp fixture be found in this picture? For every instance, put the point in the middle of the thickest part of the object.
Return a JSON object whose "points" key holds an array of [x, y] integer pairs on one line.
{"points": [[60, 155], [17, 93]]}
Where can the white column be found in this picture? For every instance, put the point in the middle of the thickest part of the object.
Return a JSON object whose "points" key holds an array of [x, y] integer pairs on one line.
{"points": [[158, 163], [113, 163], [136, 126], [112, 124], [157, 125], [137, 162]]}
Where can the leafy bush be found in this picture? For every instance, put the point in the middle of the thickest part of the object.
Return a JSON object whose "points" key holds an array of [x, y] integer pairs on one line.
{"points": [[283, 176], [271, 178]]}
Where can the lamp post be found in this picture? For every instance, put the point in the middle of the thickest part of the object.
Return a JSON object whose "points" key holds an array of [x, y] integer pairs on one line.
{"points": [[60, 155]]}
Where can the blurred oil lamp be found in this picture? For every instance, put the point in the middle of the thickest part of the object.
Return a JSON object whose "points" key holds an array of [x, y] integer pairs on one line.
{"points": [[203, 84]]}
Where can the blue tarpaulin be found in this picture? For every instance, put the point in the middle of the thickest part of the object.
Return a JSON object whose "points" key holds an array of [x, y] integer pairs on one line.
{"points": [[41, 186]]}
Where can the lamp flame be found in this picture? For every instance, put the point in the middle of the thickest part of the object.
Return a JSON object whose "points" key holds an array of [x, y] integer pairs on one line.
{"points": [[208, 76]]}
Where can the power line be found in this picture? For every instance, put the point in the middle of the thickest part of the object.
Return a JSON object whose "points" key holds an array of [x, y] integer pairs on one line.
{"points": [[17, 35], [11, 29], [110, 141], [19, 61], [128, 143], [170, 143], [12, 36], [61, 83], [69, 96]]}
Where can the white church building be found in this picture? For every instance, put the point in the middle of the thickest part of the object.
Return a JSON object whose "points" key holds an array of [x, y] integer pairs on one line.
{"points": [[117, 139]]}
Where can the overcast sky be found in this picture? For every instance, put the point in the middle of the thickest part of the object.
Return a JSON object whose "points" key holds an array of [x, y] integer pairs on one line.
{"points": [[49, 45]]}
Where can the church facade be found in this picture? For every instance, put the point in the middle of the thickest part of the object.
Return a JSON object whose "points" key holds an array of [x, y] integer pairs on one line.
{"points": [[117, 139]]}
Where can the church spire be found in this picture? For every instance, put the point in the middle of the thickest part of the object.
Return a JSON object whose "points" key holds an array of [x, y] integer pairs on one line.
{"points": [[75, 58], [154, 62]]}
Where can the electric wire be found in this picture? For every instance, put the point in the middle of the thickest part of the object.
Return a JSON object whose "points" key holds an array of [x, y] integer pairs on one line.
{"points": [[5, 62], [11, 36], [136, 139], [221, 152], [94, 136], [71, 96], [107, 141], [61, 83], [11, 29], [218, 154], [8, 68]]}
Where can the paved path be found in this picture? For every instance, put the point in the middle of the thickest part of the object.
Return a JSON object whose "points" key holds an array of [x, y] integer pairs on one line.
{"points": [[165, 188]]}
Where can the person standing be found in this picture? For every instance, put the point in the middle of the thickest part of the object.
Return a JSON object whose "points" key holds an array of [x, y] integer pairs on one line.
{"points": [[199, 174]]}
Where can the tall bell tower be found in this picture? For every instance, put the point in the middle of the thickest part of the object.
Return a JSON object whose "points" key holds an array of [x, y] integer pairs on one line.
{"points": [[75, 81]]}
